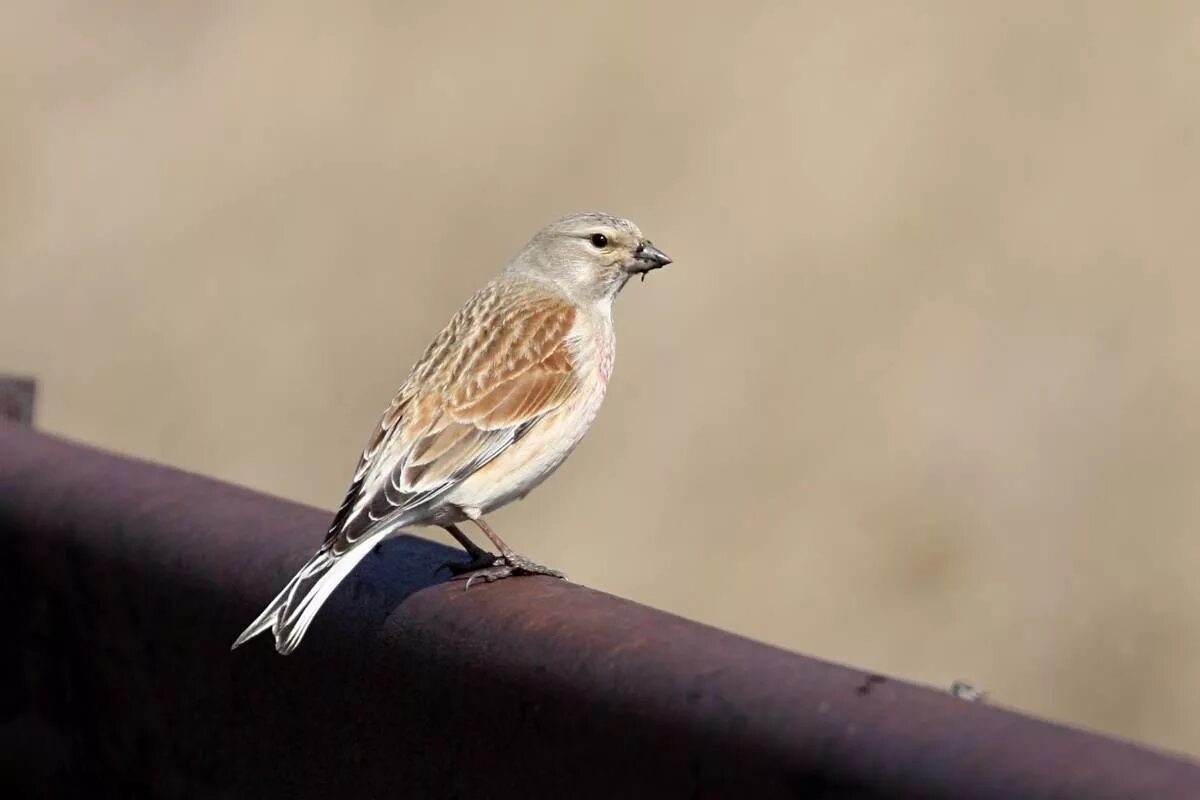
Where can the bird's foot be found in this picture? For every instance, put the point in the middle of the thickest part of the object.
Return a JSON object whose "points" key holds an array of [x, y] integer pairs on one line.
{"points": [[524, 566], [508, 567], [480, 560]]}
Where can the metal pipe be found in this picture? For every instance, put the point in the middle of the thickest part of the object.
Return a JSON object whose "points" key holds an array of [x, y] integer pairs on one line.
{"points": [[125, 583]]}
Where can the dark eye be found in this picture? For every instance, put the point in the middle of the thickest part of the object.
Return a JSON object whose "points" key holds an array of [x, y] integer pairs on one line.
{"points": [[599, 240]]}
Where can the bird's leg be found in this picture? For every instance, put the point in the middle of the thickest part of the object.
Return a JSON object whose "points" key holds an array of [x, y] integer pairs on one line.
{"points": [[480, 558], [509, 563], [512, 559]]}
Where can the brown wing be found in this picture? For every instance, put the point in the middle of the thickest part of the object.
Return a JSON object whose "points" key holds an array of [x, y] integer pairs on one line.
{"points": [[501, 365]]}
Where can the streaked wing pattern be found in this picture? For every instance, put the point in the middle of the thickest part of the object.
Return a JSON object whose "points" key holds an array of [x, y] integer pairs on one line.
{"points": [[499, 366]]}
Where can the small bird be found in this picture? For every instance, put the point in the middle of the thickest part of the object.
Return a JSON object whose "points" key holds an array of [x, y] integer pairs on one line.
{"points": [[495, 404]]}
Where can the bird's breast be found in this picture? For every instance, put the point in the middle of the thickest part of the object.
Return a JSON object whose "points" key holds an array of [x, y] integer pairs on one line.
{"points": [[535, 456], [605, 367], [604, 349]]}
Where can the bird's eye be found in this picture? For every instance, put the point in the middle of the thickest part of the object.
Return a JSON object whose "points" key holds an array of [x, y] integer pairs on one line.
{"points": [[599, 240]]}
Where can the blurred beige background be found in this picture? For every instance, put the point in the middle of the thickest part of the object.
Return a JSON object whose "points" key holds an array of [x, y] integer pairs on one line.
{"points": [[920, 393]]}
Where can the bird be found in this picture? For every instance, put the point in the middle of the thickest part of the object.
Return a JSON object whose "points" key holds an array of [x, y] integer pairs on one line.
{"points": [[494, 405]]}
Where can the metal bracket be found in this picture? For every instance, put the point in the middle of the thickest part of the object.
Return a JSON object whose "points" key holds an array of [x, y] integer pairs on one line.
{"points": [[16, 399]]}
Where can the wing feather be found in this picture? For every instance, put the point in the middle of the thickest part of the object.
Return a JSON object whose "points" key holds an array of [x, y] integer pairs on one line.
{"points": [[502, 364]]}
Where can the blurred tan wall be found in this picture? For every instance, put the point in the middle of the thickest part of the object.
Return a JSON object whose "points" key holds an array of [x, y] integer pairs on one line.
{"points": [[920, 393]]}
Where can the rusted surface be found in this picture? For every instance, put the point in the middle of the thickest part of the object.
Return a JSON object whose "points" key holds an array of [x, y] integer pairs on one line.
{"points": [[125, 583], [16, 399]]}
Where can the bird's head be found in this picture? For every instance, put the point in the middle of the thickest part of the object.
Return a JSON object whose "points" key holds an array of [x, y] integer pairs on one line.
{"points": [[590, 255]]}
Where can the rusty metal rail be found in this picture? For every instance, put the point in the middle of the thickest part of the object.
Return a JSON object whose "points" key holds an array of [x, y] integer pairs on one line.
{"points": [[124, 584]]}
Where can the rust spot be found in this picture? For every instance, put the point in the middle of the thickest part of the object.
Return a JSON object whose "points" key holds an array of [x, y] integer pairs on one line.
{"points": [[864, 689]]}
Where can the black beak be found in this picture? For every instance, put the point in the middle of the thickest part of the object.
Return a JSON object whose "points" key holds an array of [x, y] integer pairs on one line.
{"points": [[648, 257]]}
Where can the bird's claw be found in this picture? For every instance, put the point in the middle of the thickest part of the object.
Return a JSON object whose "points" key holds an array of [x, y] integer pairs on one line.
{"points": [[496, 573], [523, 564], [507, 567]]}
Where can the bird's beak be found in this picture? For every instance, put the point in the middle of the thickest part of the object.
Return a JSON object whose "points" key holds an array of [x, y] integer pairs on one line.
{"points": [[648, 257]]}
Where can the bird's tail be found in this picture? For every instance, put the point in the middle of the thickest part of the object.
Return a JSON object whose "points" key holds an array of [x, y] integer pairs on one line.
{"points": [[294, 608]]}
